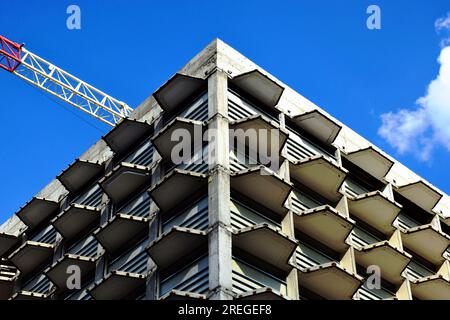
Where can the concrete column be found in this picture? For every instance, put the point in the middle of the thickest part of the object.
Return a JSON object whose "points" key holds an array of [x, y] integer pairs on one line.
{"points": [[220, 237], [152, 282], [106, 211], [287, 224]]}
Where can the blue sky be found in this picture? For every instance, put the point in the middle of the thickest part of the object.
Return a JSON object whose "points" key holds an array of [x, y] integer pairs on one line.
{"points": [[322, 49]]}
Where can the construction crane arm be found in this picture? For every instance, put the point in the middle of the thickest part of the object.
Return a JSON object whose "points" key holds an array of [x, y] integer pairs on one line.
{"points": [[17, 60]]}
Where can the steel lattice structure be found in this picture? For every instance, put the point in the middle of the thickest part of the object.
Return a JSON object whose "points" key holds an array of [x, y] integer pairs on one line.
{"points": [[61, 84]]}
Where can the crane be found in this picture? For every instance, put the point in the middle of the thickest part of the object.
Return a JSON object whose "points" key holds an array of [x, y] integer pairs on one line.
{"points": [[17, 60]]}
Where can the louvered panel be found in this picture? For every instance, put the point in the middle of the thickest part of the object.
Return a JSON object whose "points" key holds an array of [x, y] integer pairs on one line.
{"points": [[143, 155], [138, 207], [47, 235], [196, 217], [92, 197], [247, 277], [198, 110], [243, 216], [193, 278], [307, 257]]}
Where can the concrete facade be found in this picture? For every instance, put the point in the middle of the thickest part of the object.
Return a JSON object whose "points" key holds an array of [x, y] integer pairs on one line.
{"points": [[139, 228]]}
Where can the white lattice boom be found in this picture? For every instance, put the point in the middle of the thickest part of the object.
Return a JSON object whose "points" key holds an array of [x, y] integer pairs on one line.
{"points": [[61, 84]]}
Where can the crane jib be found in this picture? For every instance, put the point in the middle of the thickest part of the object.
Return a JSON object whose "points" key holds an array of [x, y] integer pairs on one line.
{"points": [[10, 54], [59, 83]]}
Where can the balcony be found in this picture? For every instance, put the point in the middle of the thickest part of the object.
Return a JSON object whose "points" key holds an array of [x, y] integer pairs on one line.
{"points": [[121, 230], [318, 125], [264, 187], [8, 276], [371, 161], [427, 285], [82, 294], [179, 90], [258, 87], [79, 174], [365, 293], [191, 282], [421, 194], [325, 276], [425, 240], [276, 254], [376, 210], [7, 242], [35, 253], [243, 216], [117, 285], [38, 288], [125, 179], [326, 225], [37, 211], [83, 255], [387, 254], [75, 220], [252, 283], [186, 184], [250, 130], [126, 276], [176, 243], [163, 139], [127, 133], [319, 174], [194, 217], [298, 147]]}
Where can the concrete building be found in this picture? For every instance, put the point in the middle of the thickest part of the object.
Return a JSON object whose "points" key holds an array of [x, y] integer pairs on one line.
{"points": [[136, 226]]}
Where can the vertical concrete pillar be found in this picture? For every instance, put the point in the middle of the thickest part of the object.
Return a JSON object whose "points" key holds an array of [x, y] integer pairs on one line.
{"points": [[152, 282], [220, 237], [287, 224]]}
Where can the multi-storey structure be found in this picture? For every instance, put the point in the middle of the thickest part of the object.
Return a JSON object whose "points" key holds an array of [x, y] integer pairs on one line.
{"points": [[138, 226]]}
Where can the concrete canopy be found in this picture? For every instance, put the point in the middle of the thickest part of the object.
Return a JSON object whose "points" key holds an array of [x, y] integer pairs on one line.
{"points": [[318, 125], [371, 161], [318, 223], [264, 293], [330, 280], [27, 295], [263, 186], [431, 288], [276, 254], [177, 91], [127, 133], [76, 218], [420, 194], [8, 276], [57, 273], [182, 295], [319, 174], [427, 242], [391, 261], [117, 285], [79, 173], [121, 230], [163, 142], [174, 244], [36, 211], [375, 209], [31, 255], [176, 187], [261, 123], [124, 180], [7, 242], [259, 86]]}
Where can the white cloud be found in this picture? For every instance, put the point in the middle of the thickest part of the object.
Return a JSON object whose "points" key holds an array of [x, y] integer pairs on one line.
{"points": [[443, 23], [427, 126]]}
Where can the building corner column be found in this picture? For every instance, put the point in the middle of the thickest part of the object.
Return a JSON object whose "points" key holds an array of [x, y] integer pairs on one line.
{"points": [[219, 236]]}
